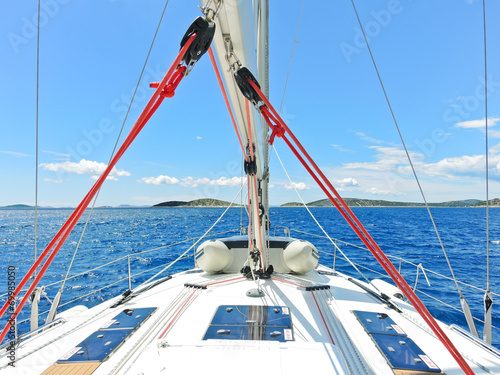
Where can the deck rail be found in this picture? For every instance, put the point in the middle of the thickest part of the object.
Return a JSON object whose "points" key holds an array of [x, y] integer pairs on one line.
{"points": [[402, 263], [129, 276]]}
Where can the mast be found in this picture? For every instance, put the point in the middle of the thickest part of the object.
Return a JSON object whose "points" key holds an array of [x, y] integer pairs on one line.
{"points": [[261, 17], [241, 40]]}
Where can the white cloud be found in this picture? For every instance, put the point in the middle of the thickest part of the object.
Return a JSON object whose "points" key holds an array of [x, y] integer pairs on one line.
{"points": [[387, 159], [160, 180], [222, 181], [394, 160], [198, 137], [57, 154], [368, 138], [376, 191], [495, 149], [16, 154], [465, 165], [109, 178], [478, 124], [348, 181], [340, 148], [89, 167], [193, 182], [297, 186]]}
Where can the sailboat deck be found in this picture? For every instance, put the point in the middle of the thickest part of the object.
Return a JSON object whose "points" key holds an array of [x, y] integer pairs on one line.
{"points": [[323, 309]]}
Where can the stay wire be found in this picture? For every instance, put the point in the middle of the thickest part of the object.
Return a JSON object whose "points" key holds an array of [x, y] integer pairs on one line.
{"points": [[36, 126], [295, 41], [317, 222], [118, 138], [405, 148], [64, 232], [486, 154]]}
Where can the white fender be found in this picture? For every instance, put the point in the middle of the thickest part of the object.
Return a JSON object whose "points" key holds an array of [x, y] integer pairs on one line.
{"points": [[301, 256], [213, 256]]}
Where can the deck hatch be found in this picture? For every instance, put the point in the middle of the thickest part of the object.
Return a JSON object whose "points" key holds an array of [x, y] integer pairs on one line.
{"points": [[374, 322], [404, 354], [401, 352], [96, 349], [99, 345], [129, 318], [246, 322]]}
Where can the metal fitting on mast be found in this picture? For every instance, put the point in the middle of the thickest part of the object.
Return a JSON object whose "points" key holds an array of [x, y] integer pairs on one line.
{"points": [[208, 11], [231, 58]]}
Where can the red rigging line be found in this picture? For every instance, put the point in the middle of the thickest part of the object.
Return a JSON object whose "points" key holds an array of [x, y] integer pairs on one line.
{"points": [[250, 239], [288, 282], [164, 89], [279, 129], [252, 156], [173, 82], [226, 100], [177, 315], [323, 318], [226, 281], [260, 231]]}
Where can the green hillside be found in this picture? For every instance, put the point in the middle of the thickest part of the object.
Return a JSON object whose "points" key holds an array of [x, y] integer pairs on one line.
{"points": [[355, 202], [207, 202]]}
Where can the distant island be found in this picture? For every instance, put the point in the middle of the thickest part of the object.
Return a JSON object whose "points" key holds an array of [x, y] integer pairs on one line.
{"points": [[207, 202], [355, 202], [18, 207]]}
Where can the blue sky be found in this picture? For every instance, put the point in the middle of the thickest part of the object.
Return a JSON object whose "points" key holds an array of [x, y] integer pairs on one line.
{"points": [[429, 53]]}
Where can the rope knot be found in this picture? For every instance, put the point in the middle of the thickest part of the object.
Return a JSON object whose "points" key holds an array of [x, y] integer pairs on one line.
{"points": [[278, 131], [169, 89]]}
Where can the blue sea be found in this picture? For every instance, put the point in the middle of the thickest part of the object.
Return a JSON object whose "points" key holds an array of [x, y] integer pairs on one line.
{"points": [[405, 233]]}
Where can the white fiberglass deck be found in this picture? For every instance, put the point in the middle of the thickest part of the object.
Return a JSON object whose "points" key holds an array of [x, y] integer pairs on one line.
{"points": [[171, 338]]}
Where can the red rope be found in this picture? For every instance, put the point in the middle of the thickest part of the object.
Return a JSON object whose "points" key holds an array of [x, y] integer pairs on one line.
{"points": [[224, 94], [260, 231], [250, 242], [277, 129], [173, 82], [323, 318], [414, 300], [66, 229], [287, 282], [360, 230], [226, 100], [247, 109], [176, 315], [226, 281]]}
